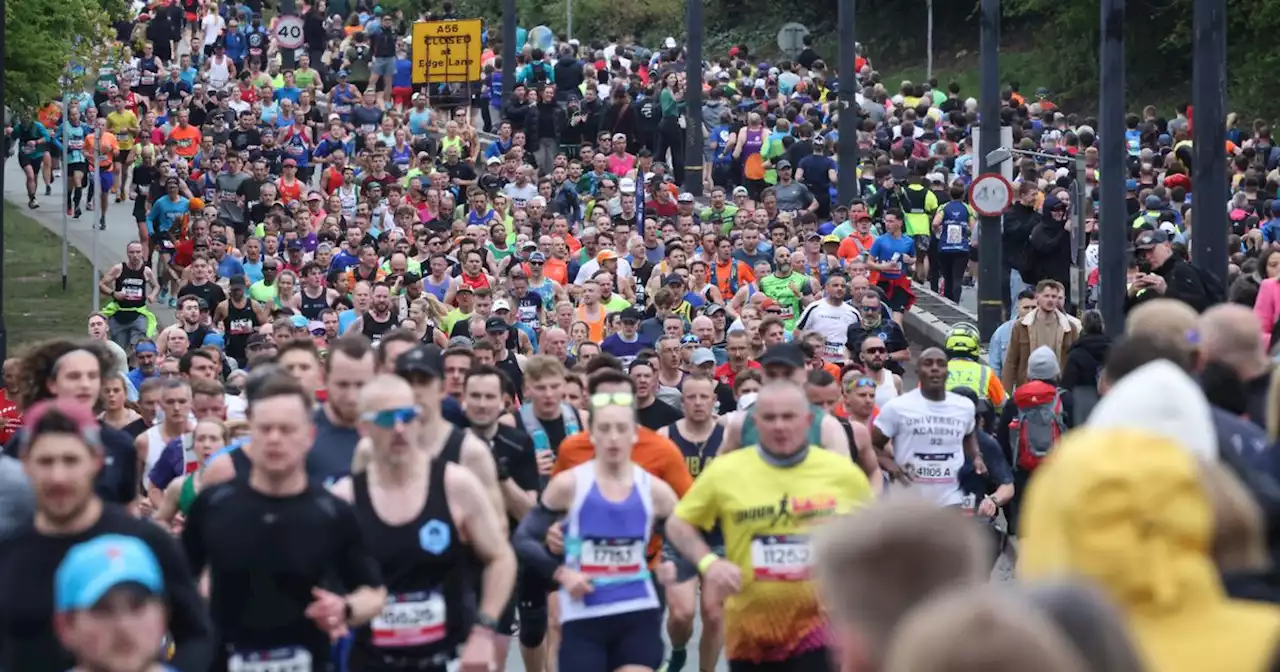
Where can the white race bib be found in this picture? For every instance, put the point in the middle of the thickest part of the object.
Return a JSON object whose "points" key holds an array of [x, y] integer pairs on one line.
{"points": [[611, 558], [954, 234], [240, 326], [285, 659], [968, 504], [934, 467], [148, 80], [784, 557], [131, 292], [410, 619], [833, 352]]}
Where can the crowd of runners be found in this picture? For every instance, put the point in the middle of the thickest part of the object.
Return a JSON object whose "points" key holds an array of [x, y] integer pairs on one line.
{"points": [[430, 390]]}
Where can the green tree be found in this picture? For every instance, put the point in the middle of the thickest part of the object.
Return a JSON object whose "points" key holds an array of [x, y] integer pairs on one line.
{"points": [[44, 38]]}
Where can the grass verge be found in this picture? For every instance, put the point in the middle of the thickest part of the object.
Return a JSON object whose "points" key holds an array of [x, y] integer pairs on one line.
{"points": [[35, 306]]}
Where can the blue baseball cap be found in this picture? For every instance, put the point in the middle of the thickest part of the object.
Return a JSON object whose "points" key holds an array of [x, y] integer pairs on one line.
{"points": [[92, 569], [299, 322], [214, 340]]}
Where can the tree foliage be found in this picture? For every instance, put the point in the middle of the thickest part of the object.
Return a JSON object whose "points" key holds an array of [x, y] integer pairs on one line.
{"points": [[44, 39]]}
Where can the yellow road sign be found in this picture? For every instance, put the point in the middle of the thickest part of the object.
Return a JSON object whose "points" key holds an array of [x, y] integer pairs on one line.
{"points": [[446, 51]]}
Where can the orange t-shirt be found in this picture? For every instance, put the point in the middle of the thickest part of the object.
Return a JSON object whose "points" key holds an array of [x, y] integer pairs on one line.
{"points": [[595, 329], [724, 273], [557, 270], [653, 452], [188, 140], [109, 148]]}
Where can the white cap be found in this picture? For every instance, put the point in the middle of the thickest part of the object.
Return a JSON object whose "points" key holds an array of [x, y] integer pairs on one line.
{"points": [[1180, 412], [501, 304], [669, 43], [627, 185]]}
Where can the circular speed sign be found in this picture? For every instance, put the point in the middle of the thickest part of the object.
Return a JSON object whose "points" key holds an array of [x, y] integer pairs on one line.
{"points": [[990, 195], [288, 32]]}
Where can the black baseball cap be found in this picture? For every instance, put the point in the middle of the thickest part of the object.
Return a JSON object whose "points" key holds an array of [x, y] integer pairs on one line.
{"points": [[1149, 239], [783, 354], [496, 325], [421, 360], [631, 314]]}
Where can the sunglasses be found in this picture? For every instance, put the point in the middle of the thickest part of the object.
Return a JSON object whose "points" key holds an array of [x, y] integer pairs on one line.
{"points": [[387, 419], [602, 399], [875, 351], [773, 311], [862, 382]]}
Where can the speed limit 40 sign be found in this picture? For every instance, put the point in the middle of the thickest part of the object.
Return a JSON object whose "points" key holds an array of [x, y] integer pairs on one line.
{"points": [[288, 32]]}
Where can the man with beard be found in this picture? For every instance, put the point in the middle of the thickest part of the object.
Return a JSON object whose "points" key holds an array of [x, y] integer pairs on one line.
{"points": [[380, 317], [349, 365], [485, 391], [874, 356], [874, 323], [62, 453], [240, 317]]}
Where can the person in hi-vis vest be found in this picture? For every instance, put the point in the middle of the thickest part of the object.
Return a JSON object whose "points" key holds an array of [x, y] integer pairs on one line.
{"points": [[963, 368]]}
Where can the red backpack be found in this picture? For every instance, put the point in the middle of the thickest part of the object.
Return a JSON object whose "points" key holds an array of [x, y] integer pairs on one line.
{"points": [[1038, 425]]}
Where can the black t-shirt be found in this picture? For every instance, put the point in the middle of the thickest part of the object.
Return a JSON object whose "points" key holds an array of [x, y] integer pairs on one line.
{"points": [[265, 554], [657, 415], [513, 450], [28, 562], [242, 139], [209, 292]]}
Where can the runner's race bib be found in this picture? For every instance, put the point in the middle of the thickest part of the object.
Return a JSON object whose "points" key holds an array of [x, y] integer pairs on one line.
{"points": [[969, 504], [284, 659], [368, 128], [131, 292], [611, 558], [833, 352], [955, 234], [147, 80], [240, 326], [342, 109], [933, 467], [410, 619], [75, 145], [782, 557]]}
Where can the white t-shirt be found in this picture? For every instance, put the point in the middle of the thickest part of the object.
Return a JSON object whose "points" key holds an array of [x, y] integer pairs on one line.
{"points": [[833, 323], [928, 442], [212, 25], [592, 267]]}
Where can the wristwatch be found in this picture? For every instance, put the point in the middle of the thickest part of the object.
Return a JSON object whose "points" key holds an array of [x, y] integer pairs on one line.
{"points": [[487, 622]]}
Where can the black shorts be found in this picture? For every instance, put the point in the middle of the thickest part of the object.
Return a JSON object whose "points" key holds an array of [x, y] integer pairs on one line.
{"points": [[78, 167], [34, 161], [611, 642], [897, 299]]}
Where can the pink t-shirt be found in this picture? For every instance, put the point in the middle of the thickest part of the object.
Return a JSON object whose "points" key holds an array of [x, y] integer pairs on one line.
{"points": [[621, 165]]}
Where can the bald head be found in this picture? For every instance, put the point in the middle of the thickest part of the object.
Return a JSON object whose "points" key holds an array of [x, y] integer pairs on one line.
{"points": [[1229, 335], [1167, 320], [385, 391]]}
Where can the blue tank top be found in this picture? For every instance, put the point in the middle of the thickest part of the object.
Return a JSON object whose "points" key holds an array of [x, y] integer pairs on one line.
{"points": [[954, 236], [419, 122], [401, 157], [436, 290], [606, 541], [75, 143], [824, 269], [342, 100], [296, 148]]}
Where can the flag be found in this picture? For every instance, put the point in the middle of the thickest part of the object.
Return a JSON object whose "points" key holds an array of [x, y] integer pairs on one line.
{"points": [[640, 189]]}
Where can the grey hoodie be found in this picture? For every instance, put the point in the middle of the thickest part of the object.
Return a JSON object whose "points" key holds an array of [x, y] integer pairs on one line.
{"points": [[16, 502]]}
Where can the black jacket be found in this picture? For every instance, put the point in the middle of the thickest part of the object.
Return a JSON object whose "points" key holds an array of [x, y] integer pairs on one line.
{"points": [[568, 72], [622, 119], [1048, 251], [522, 117], [1018, 224], [1085, 360], [1181, 282], [546, 121]]}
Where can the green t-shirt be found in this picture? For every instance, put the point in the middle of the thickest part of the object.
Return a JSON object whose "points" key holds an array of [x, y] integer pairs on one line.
{"points": [[786, 291]]}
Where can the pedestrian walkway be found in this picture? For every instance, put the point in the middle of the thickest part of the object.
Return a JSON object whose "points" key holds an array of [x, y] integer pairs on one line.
{"points": [[110, 244]]}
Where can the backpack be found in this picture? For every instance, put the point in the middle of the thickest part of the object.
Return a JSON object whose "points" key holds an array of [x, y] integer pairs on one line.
{"points": [[1036, 428], [538, 73]]}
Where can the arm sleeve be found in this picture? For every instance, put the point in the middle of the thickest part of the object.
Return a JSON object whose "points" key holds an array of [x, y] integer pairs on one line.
{"points": [[528, 540]]}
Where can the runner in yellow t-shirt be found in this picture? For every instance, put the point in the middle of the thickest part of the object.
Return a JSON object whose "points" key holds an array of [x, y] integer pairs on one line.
{"points": [[767, 499], [123, 123]]}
